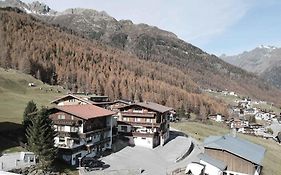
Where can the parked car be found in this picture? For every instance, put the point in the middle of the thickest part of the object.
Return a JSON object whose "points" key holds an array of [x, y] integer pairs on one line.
{"points": [[91, 164]]}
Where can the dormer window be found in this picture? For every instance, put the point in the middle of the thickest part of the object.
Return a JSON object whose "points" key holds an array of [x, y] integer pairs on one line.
{"points": [[72, 100]]}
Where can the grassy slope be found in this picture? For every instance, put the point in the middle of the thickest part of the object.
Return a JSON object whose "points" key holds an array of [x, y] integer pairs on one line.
{"points": [[15, 93], [231, 100], [272, 157]]}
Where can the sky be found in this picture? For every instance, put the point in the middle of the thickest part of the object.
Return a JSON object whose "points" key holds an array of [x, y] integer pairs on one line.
{"points": [[216, 26]]}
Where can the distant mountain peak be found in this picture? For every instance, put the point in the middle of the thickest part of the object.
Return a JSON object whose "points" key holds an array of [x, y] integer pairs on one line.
{"points": [[35, 7], [267, 47], [40, 8]]}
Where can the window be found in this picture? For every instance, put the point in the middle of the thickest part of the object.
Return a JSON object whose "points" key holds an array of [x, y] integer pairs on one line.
{"points": [[77, 142], [73, 129], [72, 117], [71, 100], [60, 128], [124, 128], [143, 138], [61, 139], [224, 173], [61, 116], [148, 120]]}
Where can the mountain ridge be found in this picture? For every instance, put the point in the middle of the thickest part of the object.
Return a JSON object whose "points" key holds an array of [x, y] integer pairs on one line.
{"points": [[204, 70], [264, 61], [57, 57]]}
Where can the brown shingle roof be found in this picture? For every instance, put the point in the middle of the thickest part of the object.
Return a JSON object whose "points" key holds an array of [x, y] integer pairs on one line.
{"points": [[154, 106], [86, 112]]}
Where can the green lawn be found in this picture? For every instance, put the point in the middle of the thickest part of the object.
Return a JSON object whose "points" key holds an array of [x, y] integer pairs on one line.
{"points": [[200, 131], [268, 107], [231, 100], [15, 93]]}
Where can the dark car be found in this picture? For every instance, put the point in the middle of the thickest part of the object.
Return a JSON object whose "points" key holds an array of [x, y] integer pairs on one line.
{"points": [[91, 164]]}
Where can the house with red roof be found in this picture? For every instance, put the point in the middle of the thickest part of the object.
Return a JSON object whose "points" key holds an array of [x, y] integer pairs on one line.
{"points": [[82, 130]]}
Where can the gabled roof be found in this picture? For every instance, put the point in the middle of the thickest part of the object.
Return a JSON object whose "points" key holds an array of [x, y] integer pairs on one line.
{"points": [[86, 112], [73, 96], [154, 106], [127, 102], [217, 163], [242, 148]]}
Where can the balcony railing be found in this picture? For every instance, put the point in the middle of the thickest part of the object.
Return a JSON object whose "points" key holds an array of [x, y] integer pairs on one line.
{"points": [[90, 133], [68, 134], [134, 114], [143, 124], [140, 134], [103, 141], [66, 122]]}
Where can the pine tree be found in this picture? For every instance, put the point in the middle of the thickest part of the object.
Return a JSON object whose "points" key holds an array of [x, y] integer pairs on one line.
{"points": [[28, 114], [40, 140]]}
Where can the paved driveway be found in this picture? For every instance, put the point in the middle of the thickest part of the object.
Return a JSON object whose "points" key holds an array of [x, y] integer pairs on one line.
{"points": [[157, 161]]}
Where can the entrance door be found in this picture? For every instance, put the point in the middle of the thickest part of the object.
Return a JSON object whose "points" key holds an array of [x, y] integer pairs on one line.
{"points": [[76, 159]]}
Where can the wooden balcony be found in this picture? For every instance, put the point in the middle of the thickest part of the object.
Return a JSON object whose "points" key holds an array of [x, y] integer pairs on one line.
{"points": [[140, 134], [92, 145], [68, 134], [90, 133], [134, 114], [145, 124], [66, 122]]}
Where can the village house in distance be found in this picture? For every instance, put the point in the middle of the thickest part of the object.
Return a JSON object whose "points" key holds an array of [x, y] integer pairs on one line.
{"points": [[145, 124]]}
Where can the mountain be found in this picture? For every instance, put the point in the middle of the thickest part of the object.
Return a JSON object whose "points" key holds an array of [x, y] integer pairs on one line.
{"points": [[35, 7], [56, 56], [161, 53], [264, 61], [153, 44]]}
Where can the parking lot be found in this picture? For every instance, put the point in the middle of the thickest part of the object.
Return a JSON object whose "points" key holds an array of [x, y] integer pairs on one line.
{"points": [[160, 160]]}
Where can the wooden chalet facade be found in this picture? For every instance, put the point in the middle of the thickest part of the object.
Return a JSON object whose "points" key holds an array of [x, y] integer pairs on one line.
{"points": [[82, 130], [241, 157], [145, 124], [80, 99]]}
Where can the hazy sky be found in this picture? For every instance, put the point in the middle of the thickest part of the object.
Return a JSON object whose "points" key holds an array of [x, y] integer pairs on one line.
{"points": [[216, 26]]}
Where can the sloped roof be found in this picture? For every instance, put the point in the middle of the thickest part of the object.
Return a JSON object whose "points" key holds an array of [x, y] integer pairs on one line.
{"points": [[242, 148], [154, 106], [217, 163], [73, 96], [86, 112]]}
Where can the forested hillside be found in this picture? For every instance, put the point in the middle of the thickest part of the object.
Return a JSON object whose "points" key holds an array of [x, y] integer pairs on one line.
{"points": [[155, 45], [58, 57]]}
